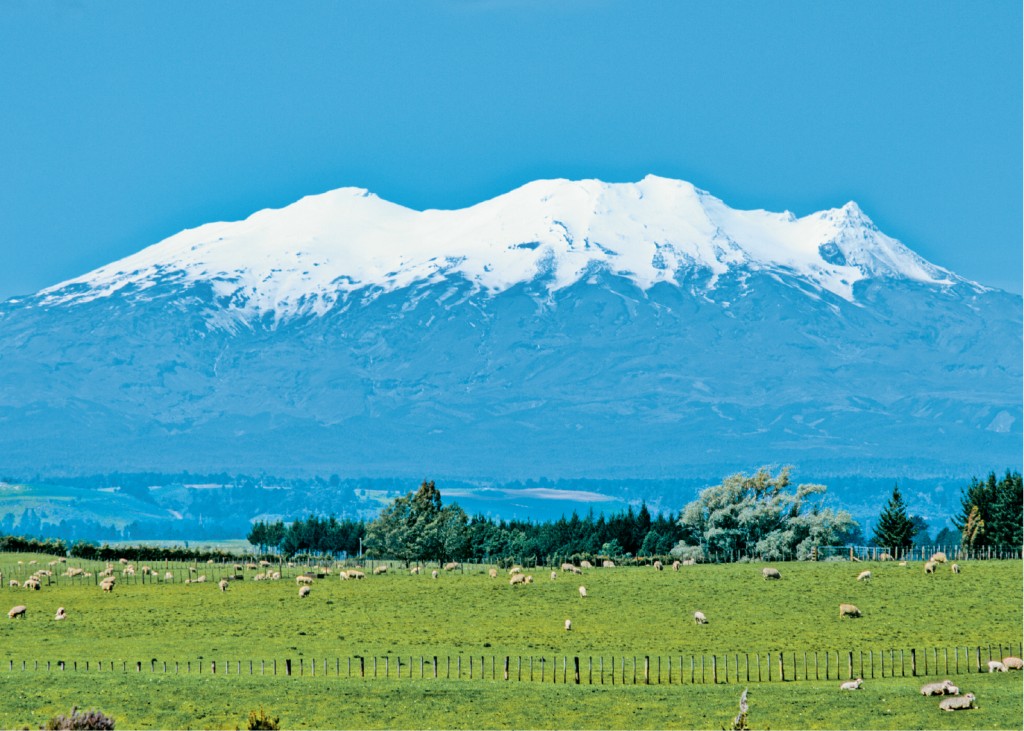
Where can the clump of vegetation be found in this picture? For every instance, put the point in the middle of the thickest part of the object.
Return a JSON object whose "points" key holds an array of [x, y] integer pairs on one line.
{"points": [[263, 721], [740, 722], [76, 720]]}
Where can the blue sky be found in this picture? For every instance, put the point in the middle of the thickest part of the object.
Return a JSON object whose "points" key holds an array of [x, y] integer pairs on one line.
{"points": [[122, 123]]}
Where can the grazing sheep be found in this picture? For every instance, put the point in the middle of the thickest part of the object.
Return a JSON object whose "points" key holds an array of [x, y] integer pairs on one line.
{"points": [[955, 568], [451, 566], [433, 574], [699, 618], [688, 562], [929, 567], [108, 586], [265, 563], [583, 592], [864, 576], [903, 563], [356, 575], [658, 566], [251, 566], [416, 570], [223, 585], [210, 561], [514, 570], [304, 591], [201, 578], [14, 583], [107, 572], [275, 576], [608, 564], [994, 666], [577, 570], [958, 704], [1013, 663], [343, 575], [568, 625], [291, 565], [380, 570], [567, 567], [123, 561], [238, 567], [586, 565], [60, 614], [852, 684], [939, 557], [168, 576], [941, 688], [529, 579], [517, 579], [885, 557], [32, 562], [493, 573], [848, 610], [192, 570], [18, 611], [32, 584], [554, 575], [146, 571], [770, 573], [675, 565], [303, 579]]}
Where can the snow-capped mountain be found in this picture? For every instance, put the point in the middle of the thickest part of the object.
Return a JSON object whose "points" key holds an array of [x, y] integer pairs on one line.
{"points": [[309, 256], [565, 328]]}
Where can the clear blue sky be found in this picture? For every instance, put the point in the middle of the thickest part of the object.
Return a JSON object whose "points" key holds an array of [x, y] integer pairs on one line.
{"points": [[122, 123]]}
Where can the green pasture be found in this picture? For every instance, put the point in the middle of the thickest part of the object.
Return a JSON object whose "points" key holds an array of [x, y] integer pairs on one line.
{"points": [[53, 504], [628, 613]]}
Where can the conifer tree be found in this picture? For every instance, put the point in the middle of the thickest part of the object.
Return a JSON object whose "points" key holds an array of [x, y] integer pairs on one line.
{"points": [[894, 529]]}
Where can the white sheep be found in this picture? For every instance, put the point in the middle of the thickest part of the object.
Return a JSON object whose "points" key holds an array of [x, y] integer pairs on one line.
{"points": [[356, 575], [658, 566], [586, 565], [380, 570], [515, 570], [14, 583], [415, 571], [568, 625], [958, 704], [517, 579], [939, 557], [567, 567], [302, 579], [304, 591], [275, 576], [168, 576], [608, 564], [60, 614], [554, 575], [583, 592], [201, 578], [343, 575], [529, 579], [929, 567], [451, 566], [864, 576], [769, 573], [699, 618], [493, 573], [1013, 663], [433, 574], [848, 610], [955, 568], [675, 565], [944, 687], [223, 584], [994, 666], [852, 684], [18, 611]]}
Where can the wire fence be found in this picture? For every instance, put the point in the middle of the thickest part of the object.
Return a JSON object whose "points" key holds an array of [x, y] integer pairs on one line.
{"points": [[602, 669]]}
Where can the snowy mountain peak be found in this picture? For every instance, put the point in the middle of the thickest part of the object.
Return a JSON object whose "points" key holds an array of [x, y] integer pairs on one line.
{"points": [[303, 258]]}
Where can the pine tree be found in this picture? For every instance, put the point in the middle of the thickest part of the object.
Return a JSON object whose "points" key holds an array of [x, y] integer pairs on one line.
{"points": [[894, 529]]}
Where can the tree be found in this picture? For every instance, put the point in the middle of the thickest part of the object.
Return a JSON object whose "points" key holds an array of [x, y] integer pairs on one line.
{"points": [[418, 527], [921, 537], [894, 529], [998, 504], [755, 515]]}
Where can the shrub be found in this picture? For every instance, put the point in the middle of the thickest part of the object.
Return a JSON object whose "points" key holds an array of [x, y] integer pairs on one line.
{"points": [[263, 721], [77, 719]]}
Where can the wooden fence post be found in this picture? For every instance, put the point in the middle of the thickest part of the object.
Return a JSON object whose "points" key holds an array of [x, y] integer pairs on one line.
{"points": [[714, 669], [691, 669], [576, 662], [782, 669], [978, 656], [849, 666], [647, 670], [758, 658], [506, 667]]}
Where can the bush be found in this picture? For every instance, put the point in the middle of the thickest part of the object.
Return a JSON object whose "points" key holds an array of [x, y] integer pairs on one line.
{"points": [[77, 719], [263, 721]]}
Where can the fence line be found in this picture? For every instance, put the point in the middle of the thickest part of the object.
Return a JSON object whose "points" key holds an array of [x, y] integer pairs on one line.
{"points": [[792, 667]]}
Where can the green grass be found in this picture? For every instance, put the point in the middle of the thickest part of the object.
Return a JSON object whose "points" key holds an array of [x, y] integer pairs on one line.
{"points": [[628, 612]]}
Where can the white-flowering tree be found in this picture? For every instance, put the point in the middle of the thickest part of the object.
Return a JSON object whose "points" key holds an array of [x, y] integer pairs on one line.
{"points": [[756, 515]]}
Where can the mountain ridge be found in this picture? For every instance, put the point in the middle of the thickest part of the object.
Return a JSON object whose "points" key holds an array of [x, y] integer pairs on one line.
{"points": [[576, 370]]}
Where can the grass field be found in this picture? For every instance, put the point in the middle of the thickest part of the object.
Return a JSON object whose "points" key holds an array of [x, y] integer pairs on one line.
{"points": [[627, 613]]}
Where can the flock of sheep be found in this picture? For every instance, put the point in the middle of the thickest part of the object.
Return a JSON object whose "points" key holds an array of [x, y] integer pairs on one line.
{"points": [[517, 578]]}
